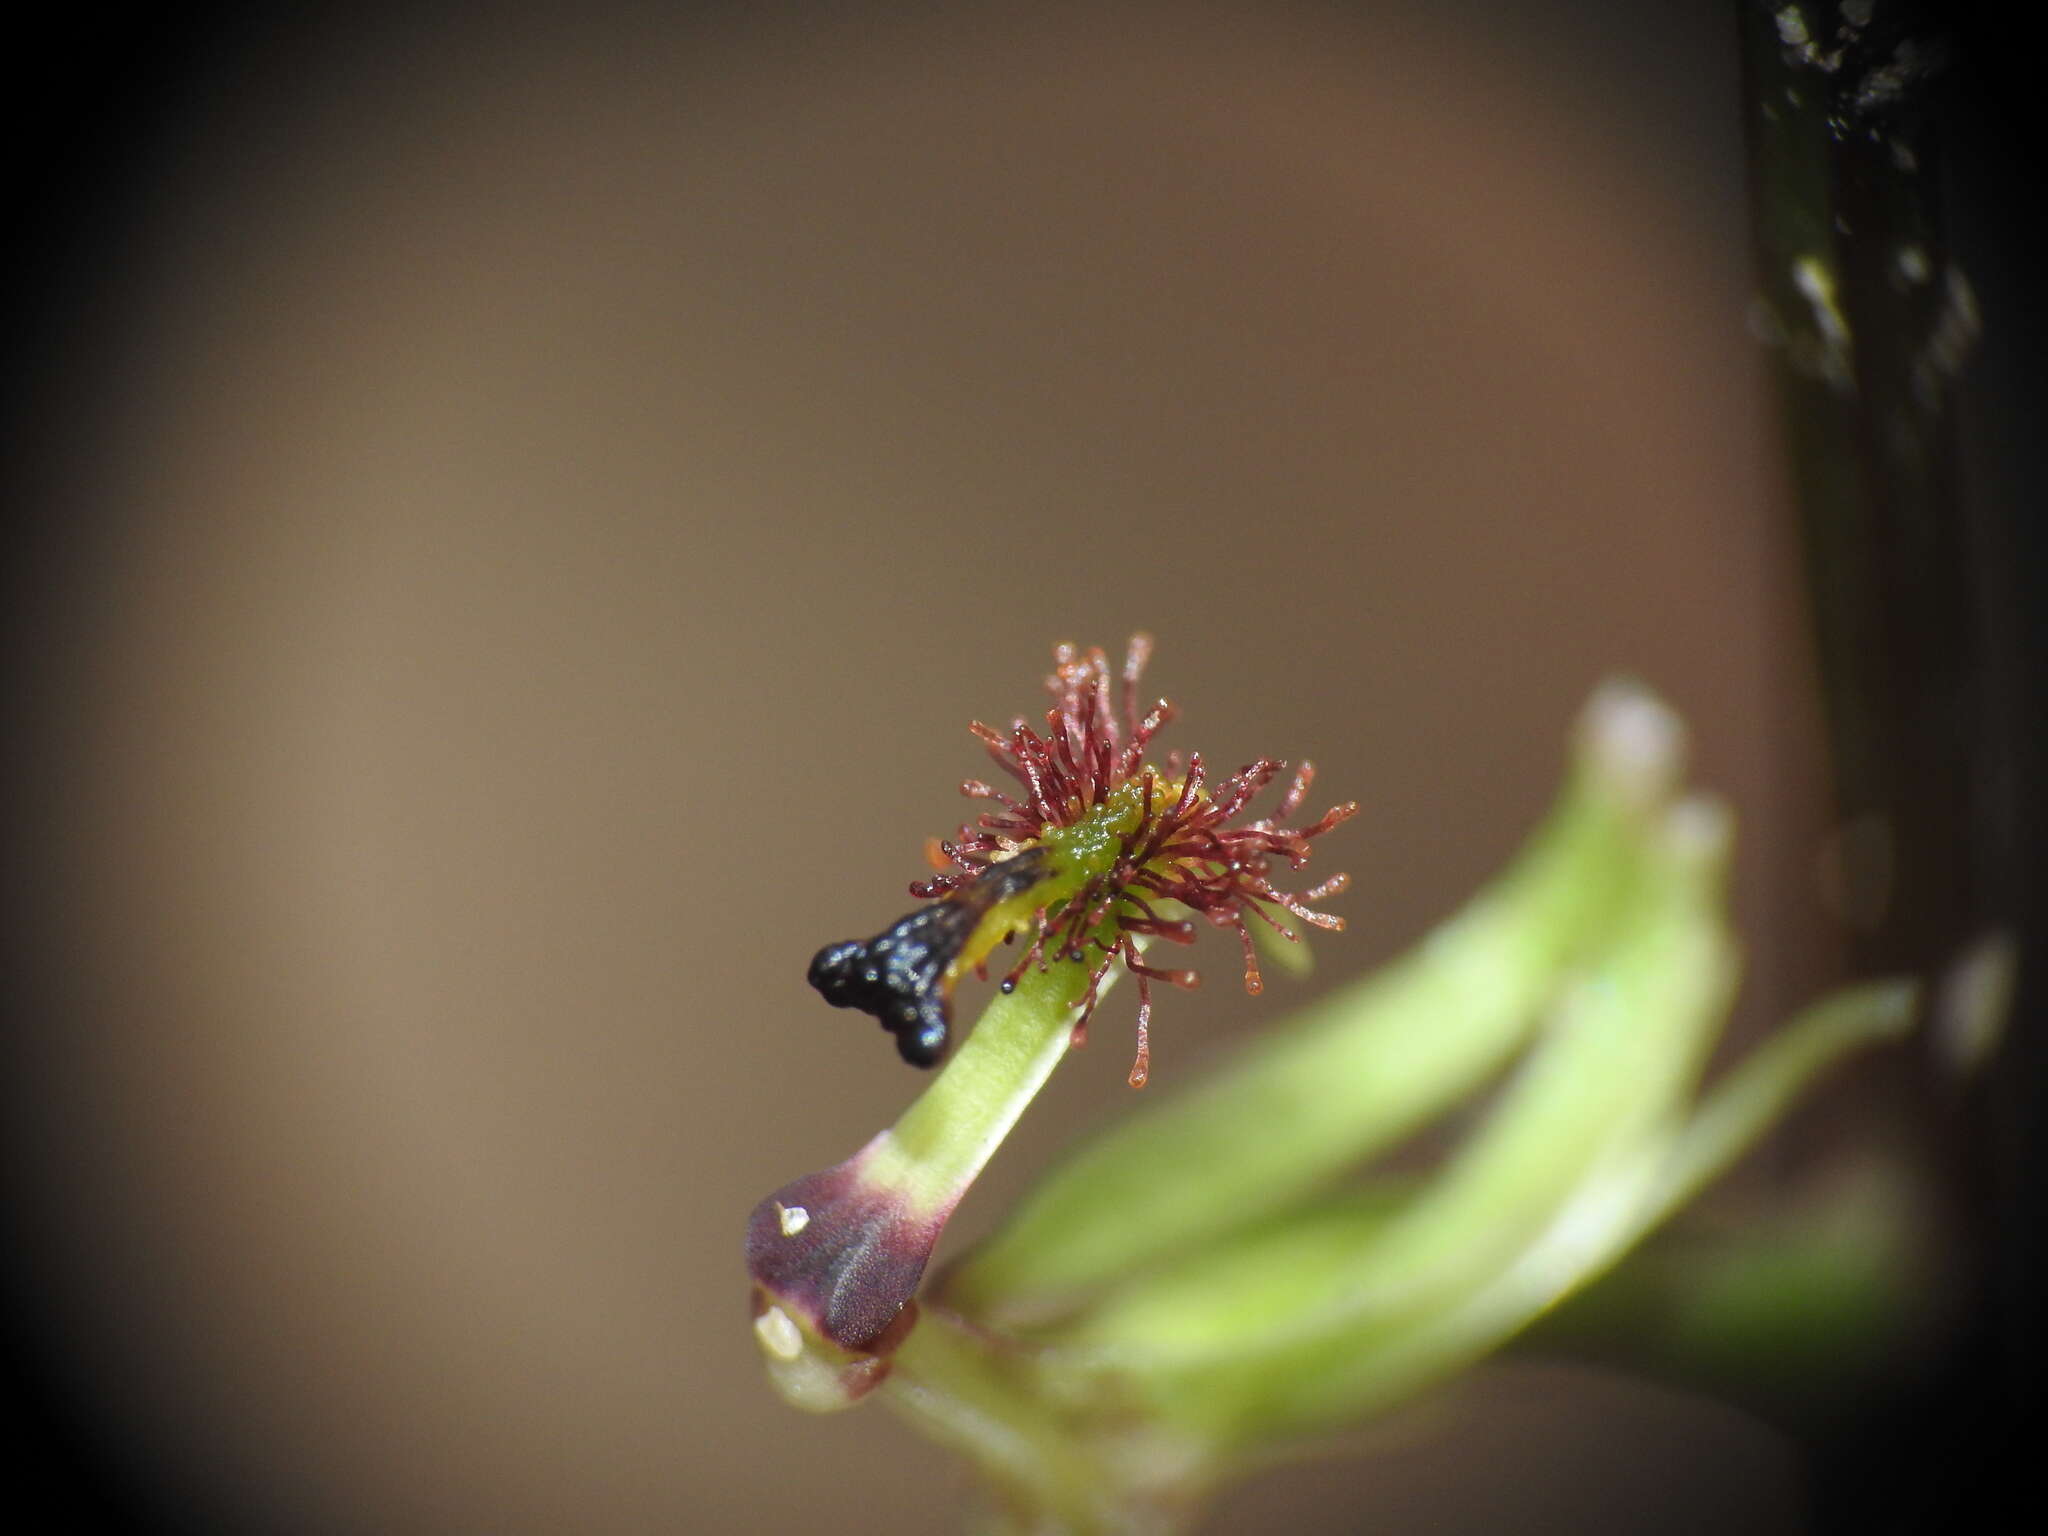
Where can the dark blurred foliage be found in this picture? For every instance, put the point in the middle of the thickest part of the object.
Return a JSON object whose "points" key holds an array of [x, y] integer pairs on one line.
{"points": [[1928, 576]]}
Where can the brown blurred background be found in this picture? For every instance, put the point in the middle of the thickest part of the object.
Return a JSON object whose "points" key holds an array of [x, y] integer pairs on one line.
{"points": [[537, 501]]}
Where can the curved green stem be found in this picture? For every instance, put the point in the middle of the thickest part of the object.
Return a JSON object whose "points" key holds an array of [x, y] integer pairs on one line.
{"points": [[946, 1137]]}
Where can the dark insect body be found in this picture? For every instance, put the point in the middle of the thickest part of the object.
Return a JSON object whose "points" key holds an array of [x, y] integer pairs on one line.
{"points": [[904, 975], [1102, 851]]}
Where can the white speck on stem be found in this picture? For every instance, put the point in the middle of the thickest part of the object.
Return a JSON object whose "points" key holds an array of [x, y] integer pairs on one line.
{"points": [[1797, 37], [778, 1334], [1816, 284], [1811, 276], [794, 1219]]}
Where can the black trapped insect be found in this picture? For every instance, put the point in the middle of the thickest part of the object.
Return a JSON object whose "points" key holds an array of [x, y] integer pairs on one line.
{"points": [[904, 975]]}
